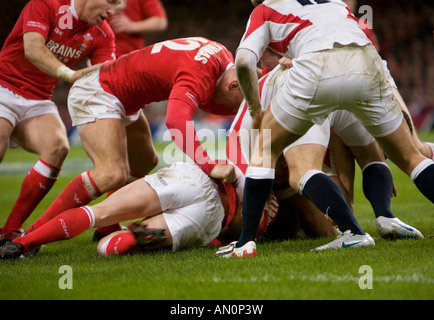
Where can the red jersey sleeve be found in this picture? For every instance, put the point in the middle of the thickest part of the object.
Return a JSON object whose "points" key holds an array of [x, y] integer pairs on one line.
{"points": [[38, 16], [179, 122], [153, 8]]}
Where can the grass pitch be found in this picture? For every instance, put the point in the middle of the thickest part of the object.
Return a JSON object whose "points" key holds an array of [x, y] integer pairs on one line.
{"points": [[400, 270]]}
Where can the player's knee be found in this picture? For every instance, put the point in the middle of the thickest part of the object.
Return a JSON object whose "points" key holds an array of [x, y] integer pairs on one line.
{"points": [[149, 163], [57, 152], [115, 178]]}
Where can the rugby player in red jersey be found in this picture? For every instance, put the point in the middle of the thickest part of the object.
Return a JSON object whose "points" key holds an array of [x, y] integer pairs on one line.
{"points": [[189, 73], [135, 19], [49, 37]]}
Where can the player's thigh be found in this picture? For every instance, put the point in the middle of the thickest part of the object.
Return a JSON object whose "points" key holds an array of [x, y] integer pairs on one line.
{"points": [[141, 152], [272, 140], [104, 140], [303, 158], [400, 149], [6, 129], [44, 135], [133, 201]]}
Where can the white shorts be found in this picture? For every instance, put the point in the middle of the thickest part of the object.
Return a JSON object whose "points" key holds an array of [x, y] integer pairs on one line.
{"points": [[349, 128], [191, 204], [351, 78], [88, 101], [16, 108], [317, 134]]}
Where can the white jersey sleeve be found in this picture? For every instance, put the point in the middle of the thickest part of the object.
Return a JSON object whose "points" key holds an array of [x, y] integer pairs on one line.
{"points": [[295, 27]]}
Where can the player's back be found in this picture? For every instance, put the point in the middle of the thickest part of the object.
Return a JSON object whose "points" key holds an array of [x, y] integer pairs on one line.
{"points": [[166, 69], [296, 27]]}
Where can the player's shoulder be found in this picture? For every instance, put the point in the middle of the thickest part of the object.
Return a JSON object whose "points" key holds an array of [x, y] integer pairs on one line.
{"points": [[103, 30]]}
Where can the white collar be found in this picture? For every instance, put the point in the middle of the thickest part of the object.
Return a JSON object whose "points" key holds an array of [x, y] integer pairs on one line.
{"points": [[73, 11], [230, 65]]}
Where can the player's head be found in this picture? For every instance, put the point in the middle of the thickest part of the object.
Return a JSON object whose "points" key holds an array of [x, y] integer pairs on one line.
{"points": [[269, 59], [228, 91], [94, 12], [352, 4], [257, 2]]}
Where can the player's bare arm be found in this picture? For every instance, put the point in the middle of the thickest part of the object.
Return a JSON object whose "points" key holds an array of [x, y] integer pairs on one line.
{"points": [[245, 64], [36, 52], [122, 23]]}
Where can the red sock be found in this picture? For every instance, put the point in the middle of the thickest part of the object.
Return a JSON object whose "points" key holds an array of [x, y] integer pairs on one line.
{"points": [[79, 192], [35, 186], [120, 243], [109, 229], [65, 226]]}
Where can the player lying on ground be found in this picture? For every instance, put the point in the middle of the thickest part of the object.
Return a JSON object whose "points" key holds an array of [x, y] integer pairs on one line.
{"points": [[181, 200], [182, 205], [191, 73]]}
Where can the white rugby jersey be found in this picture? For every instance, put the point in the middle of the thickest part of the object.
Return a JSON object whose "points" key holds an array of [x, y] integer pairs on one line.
{"points": [[295, 27], [241, 137]]}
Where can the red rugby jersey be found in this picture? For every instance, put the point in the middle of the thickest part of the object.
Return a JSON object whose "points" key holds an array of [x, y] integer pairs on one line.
{"points": [[70, 40], [183, 71], [137, 10]]}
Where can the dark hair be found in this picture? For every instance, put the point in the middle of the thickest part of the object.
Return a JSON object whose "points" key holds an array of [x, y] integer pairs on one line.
{"points": [[257, 2]]}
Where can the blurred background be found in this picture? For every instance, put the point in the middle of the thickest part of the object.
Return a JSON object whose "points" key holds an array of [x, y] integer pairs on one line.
{"points": [[404, 30]]}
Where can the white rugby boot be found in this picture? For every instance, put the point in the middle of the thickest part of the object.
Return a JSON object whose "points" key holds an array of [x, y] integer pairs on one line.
{"points": [[393, 228], [348, 240], [230, 251]]}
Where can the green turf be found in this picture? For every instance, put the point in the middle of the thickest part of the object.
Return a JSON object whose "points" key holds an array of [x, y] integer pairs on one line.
{"points": [[282, 270]]}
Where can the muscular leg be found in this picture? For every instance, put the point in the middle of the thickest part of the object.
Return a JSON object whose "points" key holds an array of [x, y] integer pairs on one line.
{"points": [[6, 129], [105, 143], [142, 158], [141, 152], [44, 135], [260, 174], [423, 147], [400, 149], [305, 165], [134, 201]]}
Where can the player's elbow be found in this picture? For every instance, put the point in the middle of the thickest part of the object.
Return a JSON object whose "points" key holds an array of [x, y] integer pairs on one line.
{"points": [[171, 123], [29, 53]]}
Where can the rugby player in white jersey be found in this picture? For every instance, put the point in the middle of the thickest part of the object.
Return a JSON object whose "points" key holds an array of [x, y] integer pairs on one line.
{"points": [[335, 66], [308, 153]]}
